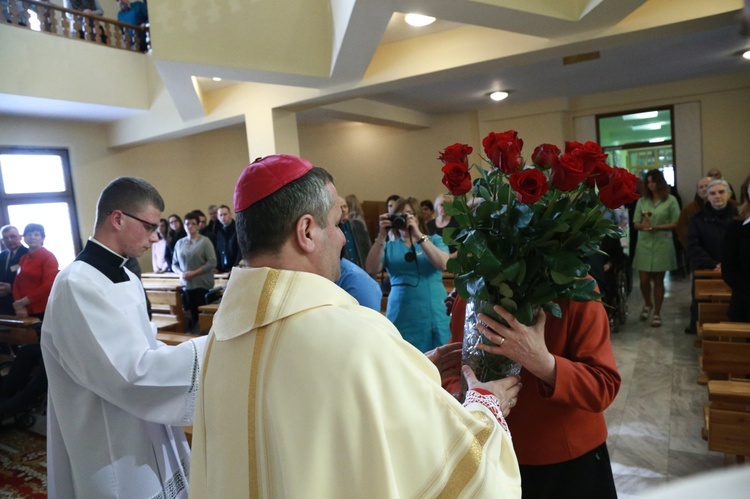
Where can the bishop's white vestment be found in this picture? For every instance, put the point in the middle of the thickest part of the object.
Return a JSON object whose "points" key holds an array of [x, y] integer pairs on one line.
{"points": [[117, 396], [304, 393]]}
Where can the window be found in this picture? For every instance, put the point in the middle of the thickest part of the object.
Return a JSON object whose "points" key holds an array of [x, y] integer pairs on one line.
{"points": [[36, 187], [639, 140]]}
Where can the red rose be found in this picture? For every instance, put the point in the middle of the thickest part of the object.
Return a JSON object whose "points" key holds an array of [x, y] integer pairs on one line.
{"points": [[504, 150], [591, 154], [546, 155], [457, 153], [571, 145], [569, 173], [620, 190], [599, 175], [456, 178], [529, 184]]}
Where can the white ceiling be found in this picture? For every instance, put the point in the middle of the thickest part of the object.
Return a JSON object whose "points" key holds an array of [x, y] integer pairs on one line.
{"points": [[694, 46]]}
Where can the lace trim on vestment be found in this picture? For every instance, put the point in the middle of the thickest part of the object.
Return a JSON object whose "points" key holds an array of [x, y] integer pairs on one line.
{"points": [[176, 484], [490, 402]]}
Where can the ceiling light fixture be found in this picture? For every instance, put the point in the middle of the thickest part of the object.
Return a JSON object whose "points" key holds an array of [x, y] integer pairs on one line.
{"points": [[647, 126], [746, 54], [641, 116], [216, 78], [418, 20], [498, 96]]}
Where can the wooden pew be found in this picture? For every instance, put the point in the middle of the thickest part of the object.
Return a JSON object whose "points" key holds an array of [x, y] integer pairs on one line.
{"points": [[170, 278], [707, 274], [725, 350], [19, 330], [711, 312], [715, 290], [166, 306], [174, 338], [727, 418], [206, 316]]}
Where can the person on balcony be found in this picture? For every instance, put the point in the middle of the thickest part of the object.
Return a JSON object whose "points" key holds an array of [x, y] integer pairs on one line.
{"points": [[134, 13], [87, 7]]}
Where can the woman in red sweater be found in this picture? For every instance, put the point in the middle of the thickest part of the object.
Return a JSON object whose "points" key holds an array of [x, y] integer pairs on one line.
{"points": [[569, 377], [36, 273]]}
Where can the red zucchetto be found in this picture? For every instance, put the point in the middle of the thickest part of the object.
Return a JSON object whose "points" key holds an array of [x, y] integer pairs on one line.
{"points": [[264, 176]]}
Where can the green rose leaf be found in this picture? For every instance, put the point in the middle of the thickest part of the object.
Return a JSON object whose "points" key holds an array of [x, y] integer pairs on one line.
{"points": [[561, 278], [525, 313], [566, 263], [583, 290], [509, 305], [505, 290], [511, 271], [453, 266], [473, 285], [553, 308]]}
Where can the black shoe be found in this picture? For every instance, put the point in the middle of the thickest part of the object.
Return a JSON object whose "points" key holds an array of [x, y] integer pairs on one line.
{"points": [[690, 330]]}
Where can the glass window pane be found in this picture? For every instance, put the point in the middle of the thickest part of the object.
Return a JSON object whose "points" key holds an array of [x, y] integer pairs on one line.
{"points": [[27, 173], [650, 127], [55, 217]]}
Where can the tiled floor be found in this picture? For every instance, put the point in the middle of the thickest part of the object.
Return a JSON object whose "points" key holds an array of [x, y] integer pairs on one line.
{"points": [[655, 422]]}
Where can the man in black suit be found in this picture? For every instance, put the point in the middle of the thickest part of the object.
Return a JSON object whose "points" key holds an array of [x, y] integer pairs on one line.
{"points": [[9, 258]]}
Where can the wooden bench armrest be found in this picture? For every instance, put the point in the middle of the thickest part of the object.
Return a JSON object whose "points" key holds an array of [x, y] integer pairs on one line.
{"points": [[729, 391], [725, 330], [174, 338]]}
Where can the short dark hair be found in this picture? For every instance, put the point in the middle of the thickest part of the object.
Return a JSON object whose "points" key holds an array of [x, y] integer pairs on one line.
{"points": [[192, 215], [264, 226], [34, 228], [392, 197], [427, 203], [199, 213], [128, 194], [227, 207]]}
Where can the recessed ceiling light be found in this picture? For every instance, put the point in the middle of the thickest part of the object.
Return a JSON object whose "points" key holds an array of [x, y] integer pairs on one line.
{"points": [[418, 20], [640, 116], [746, 55], [216, 78], [647, 126], [498, 96]]}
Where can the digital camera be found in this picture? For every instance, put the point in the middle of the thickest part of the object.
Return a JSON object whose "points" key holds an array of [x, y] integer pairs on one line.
{"points": [[398, 220]]}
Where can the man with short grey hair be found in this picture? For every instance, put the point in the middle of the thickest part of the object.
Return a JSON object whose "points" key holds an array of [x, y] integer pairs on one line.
{"points": [[118, 397], [9, 259]]}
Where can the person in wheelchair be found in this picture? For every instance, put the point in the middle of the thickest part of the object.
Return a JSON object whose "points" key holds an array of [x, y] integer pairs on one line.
{"points": [[605, 269]]}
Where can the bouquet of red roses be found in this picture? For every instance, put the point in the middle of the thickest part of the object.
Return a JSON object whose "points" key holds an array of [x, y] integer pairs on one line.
{"points": [[521, 242]]}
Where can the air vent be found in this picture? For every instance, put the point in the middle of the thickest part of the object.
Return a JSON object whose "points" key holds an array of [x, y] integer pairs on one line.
{"points": [[575, 59]]}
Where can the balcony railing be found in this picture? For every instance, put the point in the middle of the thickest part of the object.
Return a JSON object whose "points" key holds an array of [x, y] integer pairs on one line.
{"points": [[68, 23]]}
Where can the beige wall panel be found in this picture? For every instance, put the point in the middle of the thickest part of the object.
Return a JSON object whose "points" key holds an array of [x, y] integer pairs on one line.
{"points": [[374, 161]]}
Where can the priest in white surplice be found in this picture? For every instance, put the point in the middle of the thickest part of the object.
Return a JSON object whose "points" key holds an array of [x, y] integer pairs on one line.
{"points": [[117, 397], [304, 393]]}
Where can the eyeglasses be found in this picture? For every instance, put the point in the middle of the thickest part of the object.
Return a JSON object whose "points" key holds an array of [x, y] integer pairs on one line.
{"points": [[146, 225]]}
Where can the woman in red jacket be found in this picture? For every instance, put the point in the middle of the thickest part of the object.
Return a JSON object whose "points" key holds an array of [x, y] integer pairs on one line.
{"points": [[36, 273], [569, 377]]}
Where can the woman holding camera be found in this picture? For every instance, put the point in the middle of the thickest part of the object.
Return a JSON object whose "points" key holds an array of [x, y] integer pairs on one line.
{"points": [[415, 263]]}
